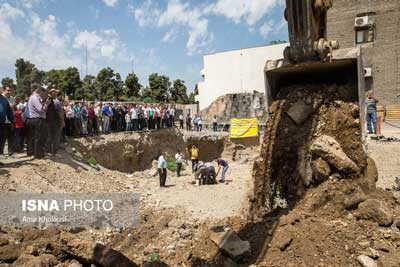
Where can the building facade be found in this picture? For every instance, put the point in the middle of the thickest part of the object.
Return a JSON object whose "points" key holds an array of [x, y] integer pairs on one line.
{"points": [[236, 71], [374, 25]]}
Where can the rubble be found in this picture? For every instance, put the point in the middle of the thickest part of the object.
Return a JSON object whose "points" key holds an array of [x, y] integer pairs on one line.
{"points": [[366, 261], [230, 243], [375, 210], [241, 105], [329, 149]]}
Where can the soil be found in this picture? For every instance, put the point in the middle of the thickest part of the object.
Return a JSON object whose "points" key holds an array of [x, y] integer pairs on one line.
{"points": [[130, 152], [292, 225], [327, 223]]}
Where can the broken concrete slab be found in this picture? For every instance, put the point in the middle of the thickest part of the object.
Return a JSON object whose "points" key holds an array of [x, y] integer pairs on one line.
{"points": [[330, 150], [366, 261], [299, 112], [231, 243]]}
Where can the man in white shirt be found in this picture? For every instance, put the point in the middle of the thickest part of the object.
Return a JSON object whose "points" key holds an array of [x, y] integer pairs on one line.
{"points": [[179, 161], [171, 116], [162, 169], [134, 118]]}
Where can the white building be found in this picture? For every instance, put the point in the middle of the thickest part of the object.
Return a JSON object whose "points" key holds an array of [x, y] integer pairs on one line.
{"points": [[236, 71]]}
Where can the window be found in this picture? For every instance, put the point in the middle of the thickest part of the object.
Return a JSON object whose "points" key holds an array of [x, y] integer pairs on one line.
{"points": [[364, 35]]}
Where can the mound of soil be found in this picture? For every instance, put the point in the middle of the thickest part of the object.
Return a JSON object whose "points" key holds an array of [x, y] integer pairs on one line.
{"points": [[318, 222]]}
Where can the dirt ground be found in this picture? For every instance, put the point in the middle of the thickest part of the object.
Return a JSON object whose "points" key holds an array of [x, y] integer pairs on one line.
{"points": [[172, 219], [331, 223]]}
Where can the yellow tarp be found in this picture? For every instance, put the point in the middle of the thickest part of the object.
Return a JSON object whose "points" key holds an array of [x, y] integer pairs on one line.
{"points": [[242, 128]]}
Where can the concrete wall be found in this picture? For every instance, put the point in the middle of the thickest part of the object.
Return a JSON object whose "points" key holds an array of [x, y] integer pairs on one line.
{"points": [[237, 71], [383, 55]]}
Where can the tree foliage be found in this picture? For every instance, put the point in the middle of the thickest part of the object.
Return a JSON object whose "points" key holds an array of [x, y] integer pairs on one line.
{"points": [[132, 85], [178, 92], [88, 89], [7, 81], [159, 86], [24, 77], [275, 42], [107, 85]]}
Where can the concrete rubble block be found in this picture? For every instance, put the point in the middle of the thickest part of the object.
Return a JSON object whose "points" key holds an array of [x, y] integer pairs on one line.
{"points": [[320, 169], [330, 150], [375, 210], [91, 252], [366, 261], [230, 243], [299, 112]]}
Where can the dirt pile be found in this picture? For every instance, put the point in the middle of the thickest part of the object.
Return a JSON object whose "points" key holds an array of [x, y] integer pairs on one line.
{"points": [[315, 201]]}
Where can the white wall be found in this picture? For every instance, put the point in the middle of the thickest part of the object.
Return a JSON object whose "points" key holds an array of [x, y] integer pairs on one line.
{"points": [[236, 71]]}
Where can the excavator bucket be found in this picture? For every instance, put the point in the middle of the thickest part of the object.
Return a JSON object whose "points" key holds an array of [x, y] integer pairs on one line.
{"points": [[344, 68]]}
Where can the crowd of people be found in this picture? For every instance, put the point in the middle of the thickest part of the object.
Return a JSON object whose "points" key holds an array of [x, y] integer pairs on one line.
{"points": [[44, 119]]}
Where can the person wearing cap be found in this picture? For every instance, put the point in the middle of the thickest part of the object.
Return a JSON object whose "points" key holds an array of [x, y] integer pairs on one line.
{"points": [[38, 104]]}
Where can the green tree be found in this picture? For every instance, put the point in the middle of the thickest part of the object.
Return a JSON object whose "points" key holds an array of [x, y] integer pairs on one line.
{"points": [[132, 85], [7, 81], [196, 89], [70, 82], [192, 98], [23, 73], [118, 92], [178, 92], [54, 78], [275, 42], [159, 86], [106, 84], [88, 89]]}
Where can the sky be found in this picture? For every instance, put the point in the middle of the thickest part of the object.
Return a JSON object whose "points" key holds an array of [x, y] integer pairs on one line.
{"points": [[168, 37]]}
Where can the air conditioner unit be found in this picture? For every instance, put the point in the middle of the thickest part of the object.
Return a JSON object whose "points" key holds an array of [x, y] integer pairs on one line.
{"points": [[367, 72], [361, 21]]}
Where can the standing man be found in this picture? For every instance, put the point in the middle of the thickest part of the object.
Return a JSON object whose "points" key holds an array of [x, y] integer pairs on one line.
{"points": [[37, 113], [84, 118], [162, 169], [181, 121], [188, 122], [6, 114], [194, 155], [371, 116], [77, 119], [215, 123], [179, 161], [54, 121], [91, 119], [7, 128], [222, 163], [172, 116], [106, 114]]}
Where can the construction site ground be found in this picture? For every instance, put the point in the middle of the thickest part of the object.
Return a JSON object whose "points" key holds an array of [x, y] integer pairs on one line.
{"points": [[176, 221]]}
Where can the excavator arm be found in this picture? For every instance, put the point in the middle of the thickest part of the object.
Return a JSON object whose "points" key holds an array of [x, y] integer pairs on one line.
{"points": [[307, 30]]}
